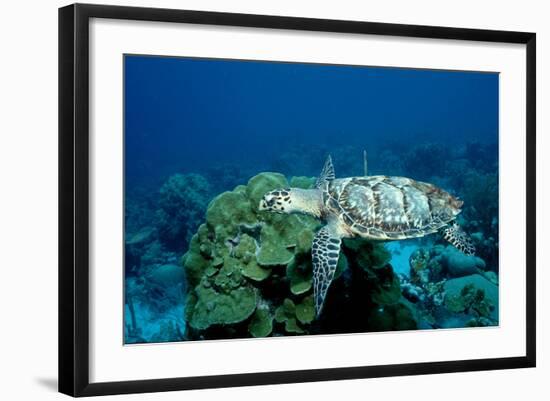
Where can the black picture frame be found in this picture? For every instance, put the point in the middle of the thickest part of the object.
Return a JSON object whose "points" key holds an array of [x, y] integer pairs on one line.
{"points": [[74, 198]]}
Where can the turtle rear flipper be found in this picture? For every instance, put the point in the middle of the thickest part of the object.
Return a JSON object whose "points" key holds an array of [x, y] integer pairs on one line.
{"points": [[324, 254], [459, 239]]}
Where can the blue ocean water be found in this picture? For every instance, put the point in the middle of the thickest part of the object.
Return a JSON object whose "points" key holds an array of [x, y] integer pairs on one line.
{"points": [[204, 126]]}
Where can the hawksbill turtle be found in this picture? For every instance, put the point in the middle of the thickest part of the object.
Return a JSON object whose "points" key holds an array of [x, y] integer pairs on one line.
{"points": [[373, 207]]}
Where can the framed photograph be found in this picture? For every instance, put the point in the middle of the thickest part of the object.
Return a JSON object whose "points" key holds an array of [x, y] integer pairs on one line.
{"points": [[250, 199]]}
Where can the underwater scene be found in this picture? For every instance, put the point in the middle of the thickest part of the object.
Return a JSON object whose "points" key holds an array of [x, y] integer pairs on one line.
{"points": [[267, 199]]}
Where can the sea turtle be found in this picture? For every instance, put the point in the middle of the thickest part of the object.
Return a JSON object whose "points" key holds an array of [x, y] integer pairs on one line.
{"points": [[372, 207]]}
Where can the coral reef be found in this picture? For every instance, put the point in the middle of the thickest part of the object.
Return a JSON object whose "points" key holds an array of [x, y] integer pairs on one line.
{"points": [[442, 261], [154, 304], [393, 317], [139, 209], [482, 156], [481, 213], [426, 159], [261, 324], [250, 273], [155, 282], [473, 295], [181, 206], [450, 289]]}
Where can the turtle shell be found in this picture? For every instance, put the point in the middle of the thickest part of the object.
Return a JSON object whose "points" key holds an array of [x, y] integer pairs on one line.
{"points": [[382, 207]]}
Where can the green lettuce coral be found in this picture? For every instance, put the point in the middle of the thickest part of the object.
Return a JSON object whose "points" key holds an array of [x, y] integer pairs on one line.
{"points": [[222, 307], [286, 313], [261, 324]]}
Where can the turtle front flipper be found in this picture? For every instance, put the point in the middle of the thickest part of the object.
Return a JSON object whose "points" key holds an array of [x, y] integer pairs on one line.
{"points": [[459, 239], [324, 254], [327, 174]]}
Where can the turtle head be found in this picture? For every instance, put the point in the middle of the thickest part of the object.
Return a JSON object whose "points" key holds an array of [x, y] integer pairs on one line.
{"points": [[278, 201], [292, 200]]}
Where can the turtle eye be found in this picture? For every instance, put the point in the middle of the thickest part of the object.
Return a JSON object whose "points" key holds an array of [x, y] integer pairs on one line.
{"points": [[268, 201]]}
